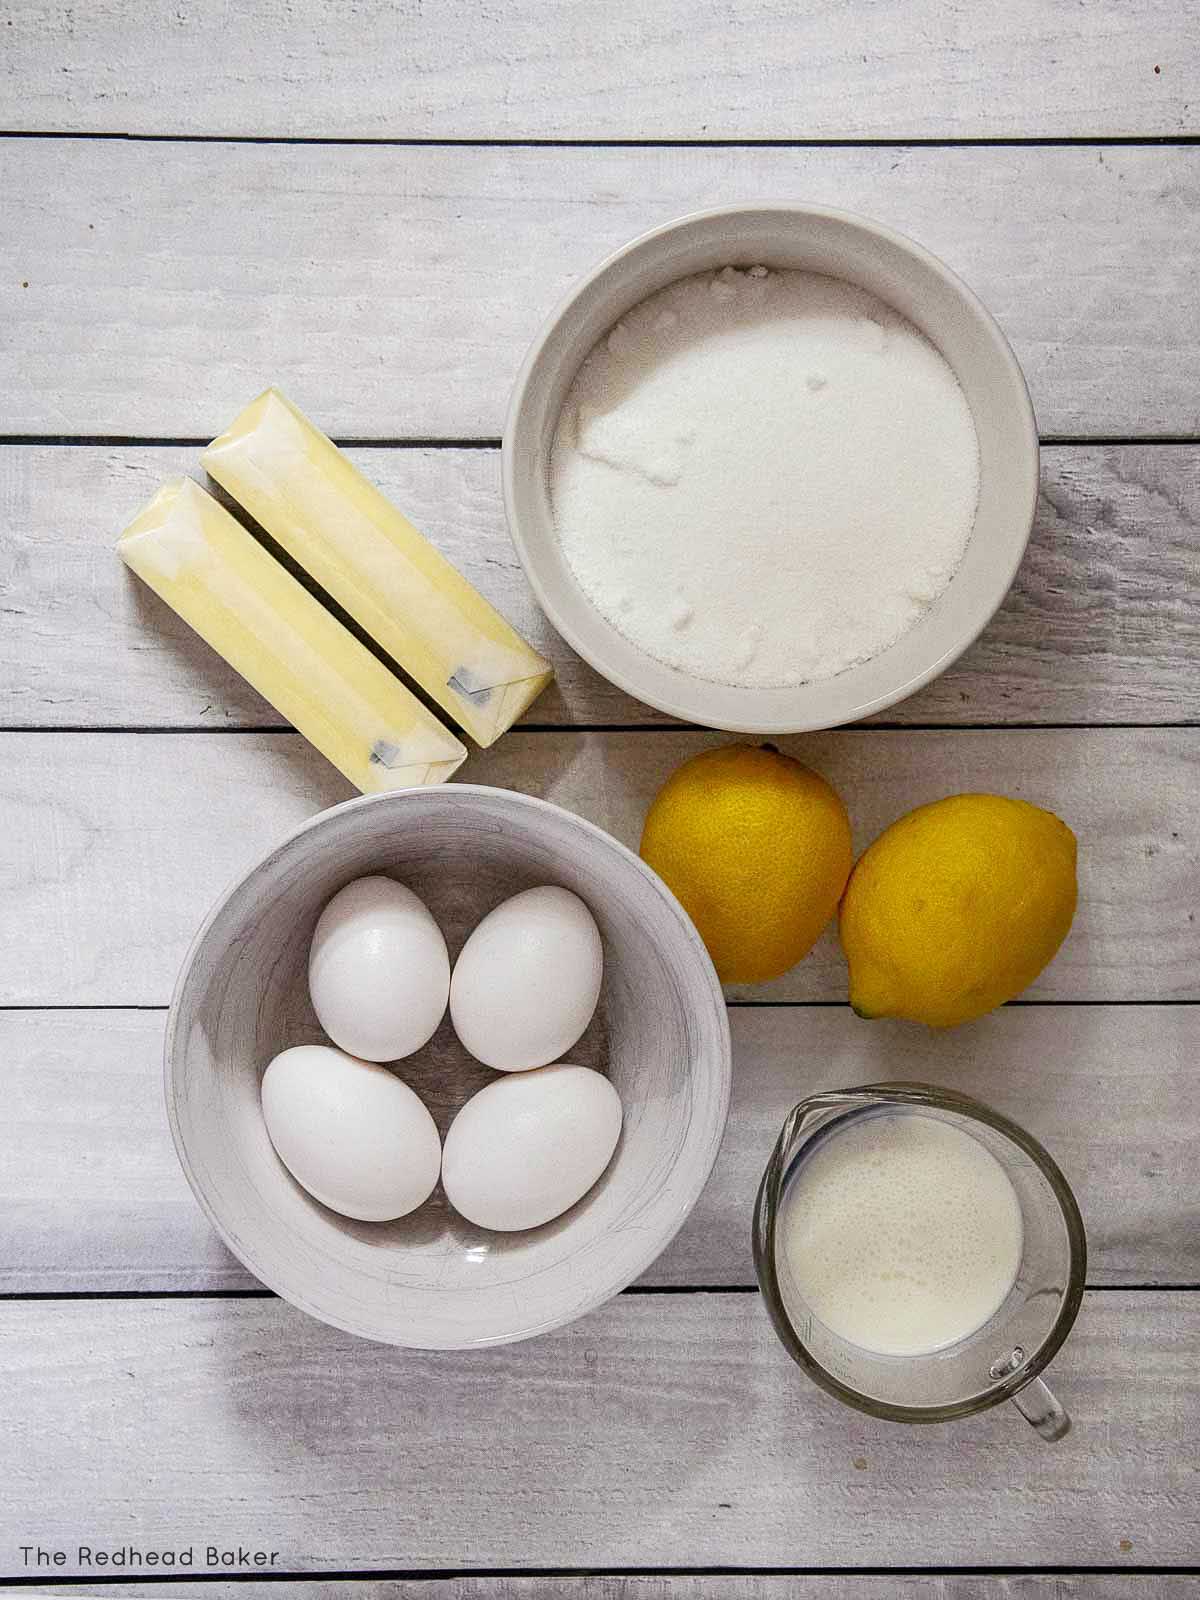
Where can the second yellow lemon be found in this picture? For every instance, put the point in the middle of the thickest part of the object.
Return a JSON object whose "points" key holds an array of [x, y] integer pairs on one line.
{"points": [[757, 849], [956, 908]]}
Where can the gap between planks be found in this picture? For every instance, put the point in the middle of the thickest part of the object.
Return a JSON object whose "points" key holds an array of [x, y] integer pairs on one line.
{"points": [[534, 1575], [631, 727], [18, 1295], [731, 1004], [982, 142], [120, 441]]}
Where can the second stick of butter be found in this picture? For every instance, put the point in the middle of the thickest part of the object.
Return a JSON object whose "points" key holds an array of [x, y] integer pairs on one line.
{"points": [[377, 566]]}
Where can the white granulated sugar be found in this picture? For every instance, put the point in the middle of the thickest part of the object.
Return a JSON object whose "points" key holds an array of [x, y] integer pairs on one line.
{"points": [[762, 478]]}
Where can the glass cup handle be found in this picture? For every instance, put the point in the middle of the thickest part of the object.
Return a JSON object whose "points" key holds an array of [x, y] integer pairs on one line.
{"points": [[1042, 1411]]}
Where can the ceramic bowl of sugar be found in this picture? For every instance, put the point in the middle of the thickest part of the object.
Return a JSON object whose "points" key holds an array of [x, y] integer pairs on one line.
{"points": [[770, 468]]}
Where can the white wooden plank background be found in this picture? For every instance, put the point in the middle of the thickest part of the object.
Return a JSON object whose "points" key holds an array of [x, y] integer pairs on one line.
{"points": [[659, 1431], [606, 69], [146, 290], [1102, 625], [116, 844], [152, 289], [92, 1198]]}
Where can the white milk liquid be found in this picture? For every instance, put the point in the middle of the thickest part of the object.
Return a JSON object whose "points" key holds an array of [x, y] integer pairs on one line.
{"points": [[902, 1233]]}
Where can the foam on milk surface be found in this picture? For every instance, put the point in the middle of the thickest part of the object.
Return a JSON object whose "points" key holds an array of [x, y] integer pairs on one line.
{"points": [[763, 478], [902, 1233]]}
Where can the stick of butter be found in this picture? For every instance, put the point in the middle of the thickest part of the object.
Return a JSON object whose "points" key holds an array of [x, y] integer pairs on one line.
{"points": [[221, 581], [300, 487]]}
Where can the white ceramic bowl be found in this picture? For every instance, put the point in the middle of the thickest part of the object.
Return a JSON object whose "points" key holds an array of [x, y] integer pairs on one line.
{"points": [[900, 273], [431, 1279]]}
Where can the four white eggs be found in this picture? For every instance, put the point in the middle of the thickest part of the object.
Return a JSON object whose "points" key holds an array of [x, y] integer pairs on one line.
{"points": [[522, 1150]]}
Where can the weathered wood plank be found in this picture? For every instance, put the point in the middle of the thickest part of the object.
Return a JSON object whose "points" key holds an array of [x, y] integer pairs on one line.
{"points": [[393, 291], [602, 70], [114, 845], [732, 1586], [1103, 624], [658, 1431], [92, 1198]]}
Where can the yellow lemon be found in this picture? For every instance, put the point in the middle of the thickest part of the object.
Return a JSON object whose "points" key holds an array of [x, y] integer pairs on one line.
{"points": [[956, 908], [757, 849]]}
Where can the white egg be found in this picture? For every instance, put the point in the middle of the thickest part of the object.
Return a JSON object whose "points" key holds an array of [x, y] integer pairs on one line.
{"points": [[528, 979], [350, 1132], [527, 1147], [378, 970]]}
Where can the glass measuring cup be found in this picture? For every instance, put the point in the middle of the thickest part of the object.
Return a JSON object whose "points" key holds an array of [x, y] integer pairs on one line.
{"points": [[1002, 1359]]}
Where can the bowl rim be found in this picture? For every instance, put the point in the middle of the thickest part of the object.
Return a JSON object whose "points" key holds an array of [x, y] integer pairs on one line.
{"points": [[1023, 417], [640, 1258]]}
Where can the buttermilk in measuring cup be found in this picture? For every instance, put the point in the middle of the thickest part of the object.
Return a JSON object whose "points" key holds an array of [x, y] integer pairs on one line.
{"points": [[902, 1232]]}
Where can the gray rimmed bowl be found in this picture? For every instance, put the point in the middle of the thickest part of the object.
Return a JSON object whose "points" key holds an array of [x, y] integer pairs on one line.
{"points": [[432, 1280], [905, 276]]}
